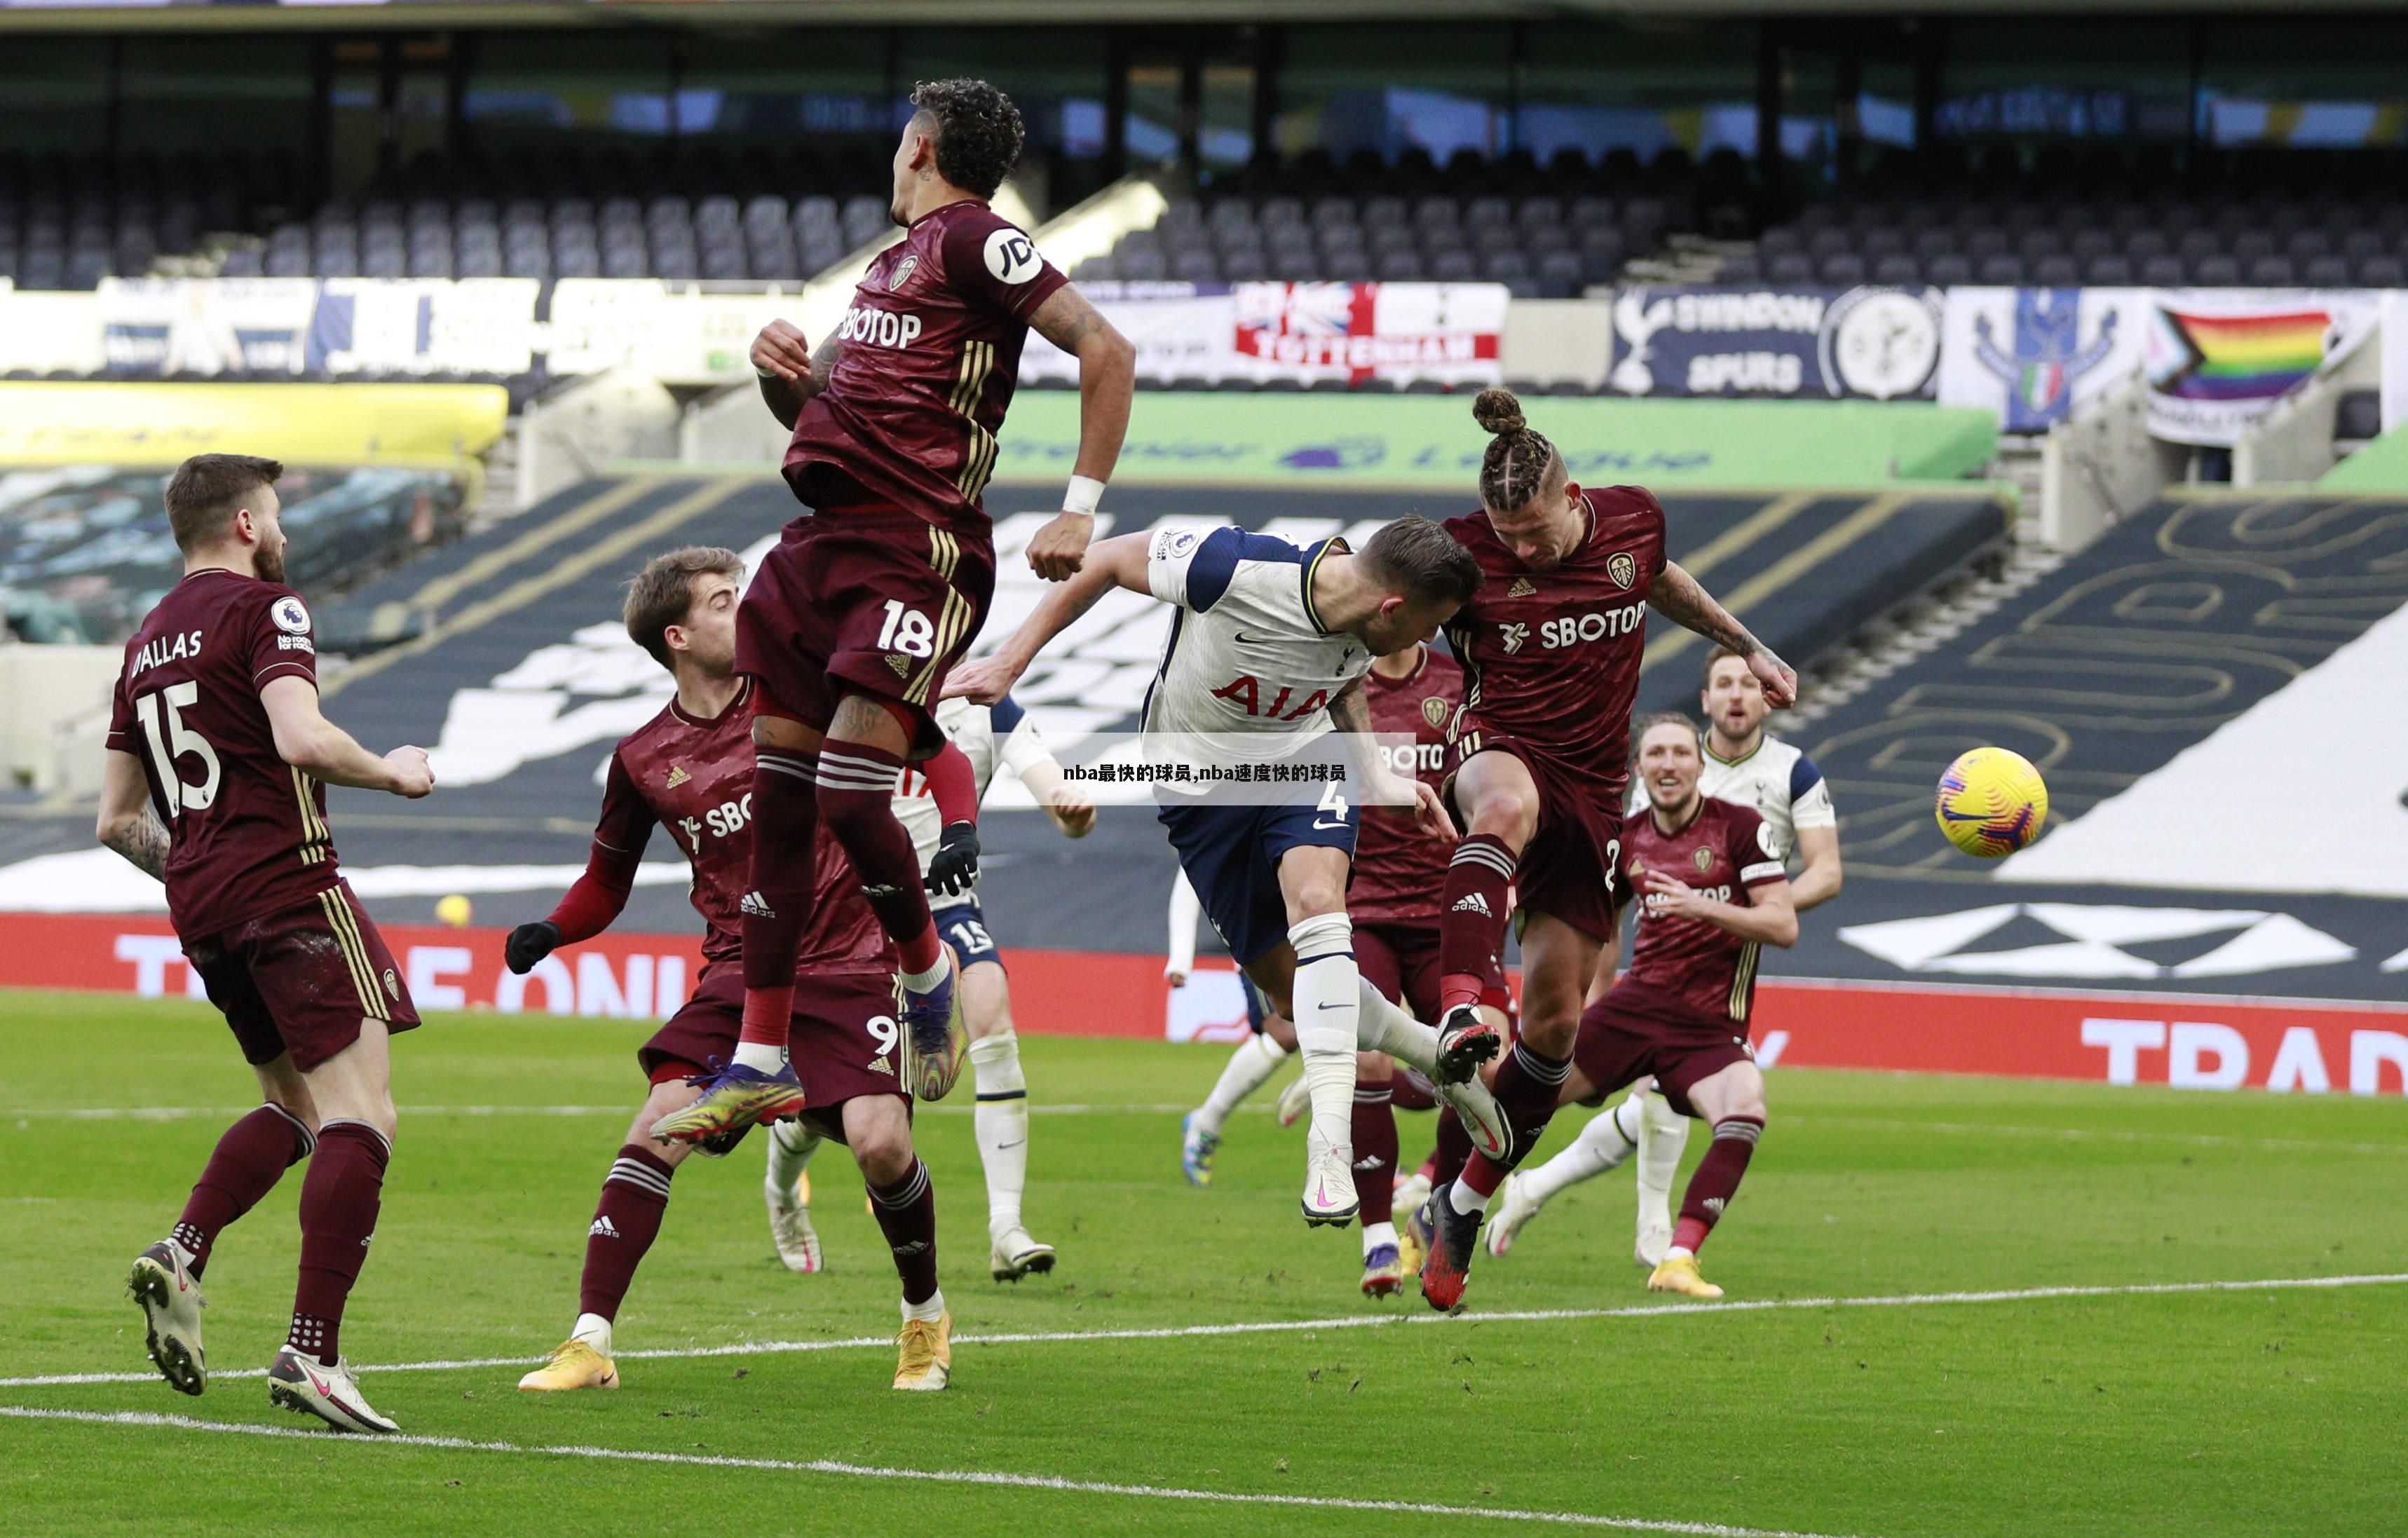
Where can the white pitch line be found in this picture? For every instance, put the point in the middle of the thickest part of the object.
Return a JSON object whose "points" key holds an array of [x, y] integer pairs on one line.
{"points": [[987, 1479], [1351, 1321]]}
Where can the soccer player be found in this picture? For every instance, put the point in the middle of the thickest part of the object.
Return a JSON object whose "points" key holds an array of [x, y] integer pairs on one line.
{"points": [[215, 783], [1746, 764], [853, 618], [1713, 894], [1267, 653], [1252, 1062], [949, 856], [1551, 648], [689, 770]]}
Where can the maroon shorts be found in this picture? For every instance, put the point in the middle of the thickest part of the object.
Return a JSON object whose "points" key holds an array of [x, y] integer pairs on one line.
{"points": [[843, 1039], [1635, 1030], [874, 601], [1568, 868], [301, 981], [1399, 958]]}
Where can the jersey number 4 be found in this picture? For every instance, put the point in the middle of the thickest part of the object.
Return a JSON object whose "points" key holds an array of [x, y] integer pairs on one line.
{"points": [[172, 741], [906, 631]]}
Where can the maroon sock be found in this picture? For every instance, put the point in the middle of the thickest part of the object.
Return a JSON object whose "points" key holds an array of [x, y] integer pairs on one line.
{"points": [[1453, 1148], [635, 1197], [907, 1214], [1528, 1083], [248, 1161], [784, 874], [856, 786], [1375, 1151], [338, 1216], [1410, 1092], [1471, 918], [1716, 1180]]}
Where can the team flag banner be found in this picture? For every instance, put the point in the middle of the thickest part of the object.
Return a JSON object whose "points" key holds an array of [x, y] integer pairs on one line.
{"points": [[1869, 343], [1451, 332], [2036, 356]]}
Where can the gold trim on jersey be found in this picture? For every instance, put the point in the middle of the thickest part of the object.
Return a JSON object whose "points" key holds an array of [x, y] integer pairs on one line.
{"points": [[952, 625], [944, 552], [345, 924], [316, 844], [978, 455], [1743, 978]]}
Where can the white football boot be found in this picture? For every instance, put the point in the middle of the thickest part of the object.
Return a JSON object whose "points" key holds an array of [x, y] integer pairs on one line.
{"points": [[790, 1225], [1294, 1102], [1508, 1212], [305, 1383], [171, 1302], [1475, 1105], [1014, 1254], [1329, 1181]]}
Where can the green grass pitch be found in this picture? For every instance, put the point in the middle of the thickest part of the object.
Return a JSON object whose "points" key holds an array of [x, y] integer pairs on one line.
{"points": [[2121, 1411]]}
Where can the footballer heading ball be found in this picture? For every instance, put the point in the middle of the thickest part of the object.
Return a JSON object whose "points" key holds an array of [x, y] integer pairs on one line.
{"points": [[1991, 802]]}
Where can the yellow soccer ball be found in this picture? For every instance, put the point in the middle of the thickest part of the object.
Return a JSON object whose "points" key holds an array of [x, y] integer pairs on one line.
{"points": [[456, 910], [1991, 802]]}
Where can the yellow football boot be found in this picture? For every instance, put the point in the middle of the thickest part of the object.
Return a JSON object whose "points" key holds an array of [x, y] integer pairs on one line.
{"points": [[926, 1359], [574, 1364], [733, 1099], [1679, 1273]]}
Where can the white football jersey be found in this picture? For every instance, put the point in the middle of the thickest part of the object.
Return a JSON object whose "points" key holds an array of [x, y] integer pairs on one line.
{"points": [[1779, 780], [1247, 656], [972, 730]]}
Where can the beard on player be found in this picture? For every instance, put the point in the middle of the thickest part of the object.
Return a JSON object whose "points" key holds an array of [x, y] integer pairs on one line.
{"points": [[1671, 765]]}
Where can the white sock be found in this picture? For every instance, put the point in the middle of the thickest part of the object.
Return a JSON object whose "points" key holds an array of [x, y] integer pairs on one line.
{"points": [[1377, 1235], [1328, 1008], [1464, 1199], [1001, 1119], [1256, 1059], [761, 1056], [1663, 1132], [1603, 1143], [791, 1147], [933, 1309], [1382, 1026], [923, 982], [594, 1330]]}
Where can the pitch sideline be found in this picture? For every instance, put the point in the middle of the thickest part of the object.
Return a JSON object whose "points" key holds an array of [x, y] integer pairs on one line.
{"points": [[939, 1477], [1355, 1321]]}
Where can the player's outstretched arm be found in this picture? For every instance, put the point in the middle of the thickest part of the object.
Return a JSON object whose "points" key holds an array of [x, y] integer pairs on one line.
{"points": [[1107, 384], [1818, 880], [127, 824], [1072, 813], [1117, 562], [1770, 917], [1677, 597], [306, 740]]}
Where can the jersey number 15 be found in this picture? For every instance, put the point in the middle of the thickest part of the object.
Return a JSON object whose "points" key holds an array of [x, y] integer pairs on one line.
{"points": [[172, 741]]}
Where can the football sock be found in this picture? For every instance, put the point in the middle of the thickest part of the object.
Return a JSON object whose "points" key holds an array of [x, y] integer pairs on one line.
{"points": [[1384, 1028], [1408, 1095], [1528, 1083], [1326, 993], [1452, 1151], [1464, 1199], [1604, 1142], [1663, 1133], [1472, 920], [1716, 1180], [1377, 1235], [1253, 1060], [856, 794], [635, 1198], [596, 1331], [907, 1214], [784, 875], [1001, 1121], [791, 1147], [340, 1199], [1374, 1137], [931, 1308], [250, 1158]]}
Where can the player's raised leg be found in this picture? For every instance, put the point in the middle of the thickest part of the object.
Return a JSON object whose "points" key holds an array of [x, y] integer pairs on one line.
{"points": [[627, 1219], [1731, 1100], [251, 1156]]}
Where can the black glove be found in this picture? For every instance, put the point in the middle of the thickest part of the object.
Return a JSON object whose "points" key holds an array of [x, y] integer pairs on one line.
{"points": [[955, 864], [530, 943]]}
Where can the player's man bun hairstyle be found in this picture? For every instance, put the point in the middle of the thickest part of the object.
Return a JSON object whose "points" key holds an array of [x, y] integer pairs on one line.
{"points": [[1520, 464], [1423, 562], [979, 132], [662, 594], [208, 490]]}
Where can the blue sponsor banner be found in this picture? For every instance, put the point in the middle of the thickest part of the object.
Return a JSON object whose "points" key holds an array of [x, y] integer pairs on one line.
{"points": [[1868, 342]]}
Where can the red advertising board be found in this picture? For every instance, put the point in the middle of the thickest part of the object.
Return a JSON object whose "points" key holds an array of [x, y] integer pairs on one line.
{"points": [[2187, 1040]]}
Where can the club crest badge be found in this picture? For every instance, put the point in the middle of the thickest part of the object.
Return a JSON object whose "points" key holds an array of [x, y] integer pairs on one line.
{"points": [[1434, 710], [902, 273], [1703, 859], [1623, 568]]}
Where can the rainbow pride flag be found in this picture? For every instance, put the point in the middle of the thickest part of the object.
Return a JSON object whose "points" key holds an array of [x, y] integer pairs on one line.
{"points": [[2243, 357]]}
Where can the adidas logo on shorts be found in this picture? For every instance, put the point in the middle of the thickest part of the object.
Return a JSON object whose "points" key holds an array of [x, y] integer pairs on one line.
{"points": [[879, 1064], [603, 1227], [1474, 903]]}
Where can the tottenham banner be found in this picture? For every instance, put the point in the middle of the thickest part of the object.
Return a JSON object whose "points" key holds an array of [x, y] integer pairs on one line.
{"points": [[1258, 332]]}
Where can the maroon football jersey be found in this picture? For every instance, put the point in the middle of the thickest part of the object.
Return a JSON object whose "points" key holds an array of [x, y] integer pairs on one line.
{"points": [[247, 832], [1725, 853], [1398, 870], [1551, 659], [694, 778], [931, 355]]}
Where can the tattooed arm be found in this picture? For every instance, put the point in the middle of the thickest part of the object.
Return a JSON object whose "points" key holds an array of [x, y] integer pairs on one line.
{"points": [[1350, 713], [1107, 380], [790, 373], [1677, 597], [126, 823]]}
